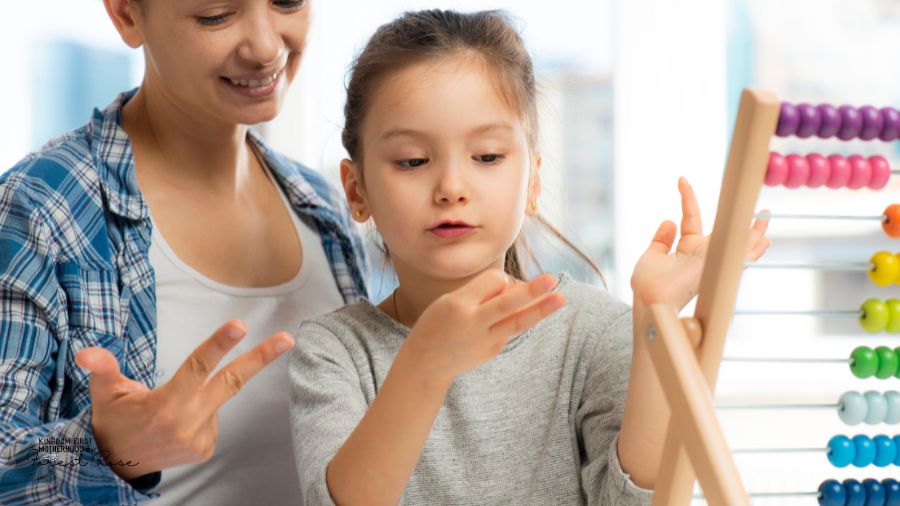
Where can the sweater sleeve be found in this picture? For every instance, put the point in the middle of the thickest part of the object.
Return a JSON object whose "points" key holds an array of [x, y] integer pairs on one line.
{"points": [[327, 403], [599, 418]]}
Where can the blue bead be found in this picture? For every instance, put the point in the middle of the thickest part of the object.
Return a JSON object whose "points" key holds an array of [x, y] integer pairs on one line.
{"points": [[865, 451], [832, 493], [897, 444], [841, 451], [856, 493], [885, 451], [852, 408], [892, 491], [875, 495]]}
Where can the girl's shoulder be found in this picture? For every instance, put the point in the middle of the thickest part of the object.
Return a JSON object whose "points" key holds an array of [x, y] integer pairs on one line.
{"points": [[592, 302]]}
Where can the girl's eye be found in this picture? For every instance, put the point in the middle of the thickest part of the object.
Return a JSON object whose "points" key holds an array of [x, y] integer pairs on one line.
{"points": [[489, 159], [212, 20], [412, 163], [290, 4]]}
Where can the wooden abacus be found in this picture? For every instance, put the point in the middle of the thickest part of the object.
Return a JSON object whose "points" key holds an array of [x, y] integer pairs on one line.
{"points": [[687, 352]]}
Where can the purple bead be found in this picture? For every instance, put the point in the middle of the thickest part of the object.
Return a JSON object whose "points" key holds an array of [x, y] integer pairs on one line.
{"points": [[829, 121], [891, 124], [809, 121], [788, 120], [851, 123], [872, 123]]}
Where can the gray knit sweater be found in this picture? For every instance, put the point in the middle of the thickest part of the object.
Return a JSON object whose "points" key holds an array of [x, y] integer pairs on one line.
{"points": [[537, 425]]}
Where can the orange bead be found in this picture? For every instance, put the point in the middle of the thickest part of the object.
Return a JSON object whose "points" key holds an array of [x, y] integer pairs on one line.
{"points": [[891, 224]]}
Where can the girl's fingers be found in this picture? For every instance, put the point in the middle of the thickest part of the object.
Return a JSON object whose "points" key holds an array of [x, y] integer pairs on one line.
{"points": [[664, 238], [523, 320], [690, 209], [485, 286], [517, 297], [758, 249]]}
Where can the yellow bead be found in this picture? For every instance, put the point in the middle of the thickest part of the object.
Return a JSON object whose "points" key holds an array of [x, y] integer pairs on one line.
{"points": [[885, 268]]}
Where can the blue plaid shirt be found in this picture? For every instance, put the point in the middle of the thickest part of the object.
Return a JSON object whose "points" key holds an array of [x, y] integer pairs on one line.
{"points": [[75, 272]]}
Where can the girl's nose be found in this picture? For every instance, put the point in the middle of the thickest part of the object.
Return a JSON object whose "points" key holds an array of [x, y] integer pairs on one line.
{"points": [[451, 187], [262, 44]]}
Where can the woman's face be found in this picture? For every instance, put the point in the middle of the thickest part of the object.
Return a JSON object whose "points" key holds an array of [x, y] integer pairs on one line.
{"points": [[226, 60]]}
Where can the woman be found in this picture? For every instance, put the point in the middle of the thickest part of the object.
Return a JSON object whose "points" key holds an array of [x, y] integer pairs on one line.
{"points": [[124, 242]]}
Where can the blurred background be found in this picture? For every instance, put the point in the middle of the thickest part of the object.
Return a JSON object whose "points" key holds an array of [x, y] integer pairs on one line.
{"points": [[633, 94]]}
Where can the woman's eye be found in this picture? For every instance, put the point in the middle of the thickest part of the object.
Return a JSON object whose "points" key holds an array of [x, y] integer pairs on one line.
{"points": [[490, 158], [212, 20], [412, 163], [290, 4]]}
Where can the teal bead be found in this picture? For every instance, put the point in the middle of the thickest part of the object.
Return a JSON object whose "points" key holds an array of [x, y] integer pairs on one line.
{"points": [[885, 451], [852, 408], [897, 444], [863, 362], [876, 407], [864, 453], [888, 362], [893, 402], [841, 451]]}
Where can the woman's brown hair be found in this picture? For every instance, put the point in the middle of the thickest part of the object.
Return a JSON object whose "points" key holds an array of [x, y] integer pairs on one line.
{"points": [[422, 36]]}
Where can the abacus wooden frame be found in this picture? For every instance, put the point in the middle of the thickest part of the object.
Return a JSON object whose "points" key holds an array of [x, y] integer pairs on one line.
{"points": [[694, 442]]}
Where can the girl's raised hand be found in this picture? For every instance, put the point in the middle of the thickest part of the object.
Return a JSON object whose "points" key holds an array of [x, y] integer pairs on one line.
{"points": [[465, 328], [674, 278]]}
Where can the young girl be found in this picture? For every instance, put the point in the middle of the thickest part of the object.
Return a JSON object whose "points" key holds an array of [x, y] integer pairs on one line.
{"points": [[470, 384]]}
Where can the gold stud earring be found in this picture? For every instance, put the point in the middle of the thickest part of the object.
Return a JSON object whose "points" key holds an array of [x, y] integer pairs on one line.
{"points": [[534, 205], [359, 213]]}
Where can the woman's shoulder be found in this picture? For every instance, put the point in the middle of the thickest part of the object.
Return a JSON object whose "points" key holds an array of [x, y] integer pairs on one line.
{"points": [[50, 167]]}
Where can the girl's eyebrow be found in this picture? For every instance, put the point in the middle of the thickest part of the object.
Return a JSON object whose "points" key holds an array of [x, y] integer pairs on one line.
{"points": [[400, 132], [481, 129], [501, 125]]}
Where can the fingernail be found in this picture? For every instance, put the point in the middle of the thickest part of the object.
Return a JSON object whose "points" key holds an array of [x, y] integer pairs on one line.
{"points": [[284, 344], [235, 332]]}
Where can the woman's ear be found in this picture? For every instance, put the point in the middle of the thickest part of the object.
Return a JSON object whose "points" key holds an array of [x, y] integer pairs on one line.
{"points": [[123, 14], [352, 182], [534, 188]]}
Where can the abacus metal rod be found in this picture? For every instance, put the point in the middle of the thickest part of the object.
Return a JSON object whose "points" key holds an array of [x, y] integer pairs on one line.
{"points": [[764, 495], [821, 266], [778, 406], [790, 360], [780, 450], [811, 312], [765, 215]]}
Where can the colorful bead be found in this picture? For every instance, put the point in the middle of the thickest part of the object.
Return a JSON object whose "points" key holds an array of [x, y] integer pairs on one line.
{"points": [[891, 223], [829, 121], [798, 171], [891, 119], [881, 172], [885, 268], [897, 443], [856, 493], [841, 451], [860, 172], [893, 402], [832, 493], [851, 123], [888, 361], [875, 495], [873, 123], [876, 408], [875, 316], [810, 121], [885, 450], [892, 491], [863, 451], [840, 172], [777, 170], [852, 408], [893, 325], [863, 362], [819, 170], [788, 120]]}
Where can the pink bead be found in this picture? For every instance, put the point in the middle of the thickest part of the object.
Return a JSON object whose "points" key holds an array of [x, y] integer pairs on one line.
{"points": [[860, 172], [840, 172], [819, 170], [881, 172], [798, 173], [777, 171]]}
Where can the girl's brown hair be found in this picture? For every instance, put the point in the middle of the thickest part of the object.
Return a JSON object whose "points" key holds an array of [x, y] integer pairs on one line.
{"points": [[422, 36]]}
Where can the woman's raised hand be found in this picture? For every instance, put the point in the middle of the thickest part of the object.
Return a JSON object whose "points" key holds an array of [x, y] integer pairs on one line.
{"points": [[175, 423], [465, 328], [674, 278]]}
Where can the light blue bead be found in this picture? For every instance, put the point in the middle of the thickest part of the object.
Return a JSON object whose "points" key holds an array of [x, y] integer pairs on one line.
{"points": [[885, 451], [852, 408], [893, 402], [876, 407], [865, 451], [841, 451]]}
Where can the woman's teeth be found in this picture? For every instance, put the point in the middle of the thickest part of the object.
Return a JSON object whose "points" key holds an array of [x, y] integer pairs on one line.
{"points": [[254, 83]]}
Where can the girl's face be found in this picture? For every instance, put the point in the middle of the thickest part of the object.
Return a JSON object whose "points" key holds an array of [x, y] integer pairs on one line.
{"points": [[227, 60], [447, 170]]}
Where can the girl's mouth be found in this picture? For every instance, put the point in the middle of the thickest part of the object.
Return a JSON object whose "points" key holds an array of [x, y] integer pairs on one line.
{"points": [[451, 230]]}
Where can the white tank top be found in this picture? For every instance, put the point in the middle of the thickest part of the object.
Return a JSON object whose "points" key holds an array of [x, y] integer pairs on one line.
{"points": [[254, 458]]}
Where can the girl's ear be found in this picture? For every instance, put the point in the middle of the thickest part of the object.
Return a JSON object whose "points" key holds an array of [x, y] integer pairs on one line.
{"points": [[123, 14], [353, 190], [534, 188]]}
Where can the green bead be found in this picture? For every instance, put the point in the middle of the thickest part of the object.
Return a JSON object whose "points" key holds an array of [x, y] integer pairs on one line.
{"points": [[888, 362], [897, 375], [863, 362], [893, 325], [875, 315]]}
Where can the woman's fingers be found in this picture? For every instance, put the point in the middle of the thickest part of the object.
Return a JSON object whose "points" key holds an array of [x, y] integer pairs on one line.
{"points": [[690, 209], [232, 377], [524, 319], [517, 297], [194, 371], [105, 379]]}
